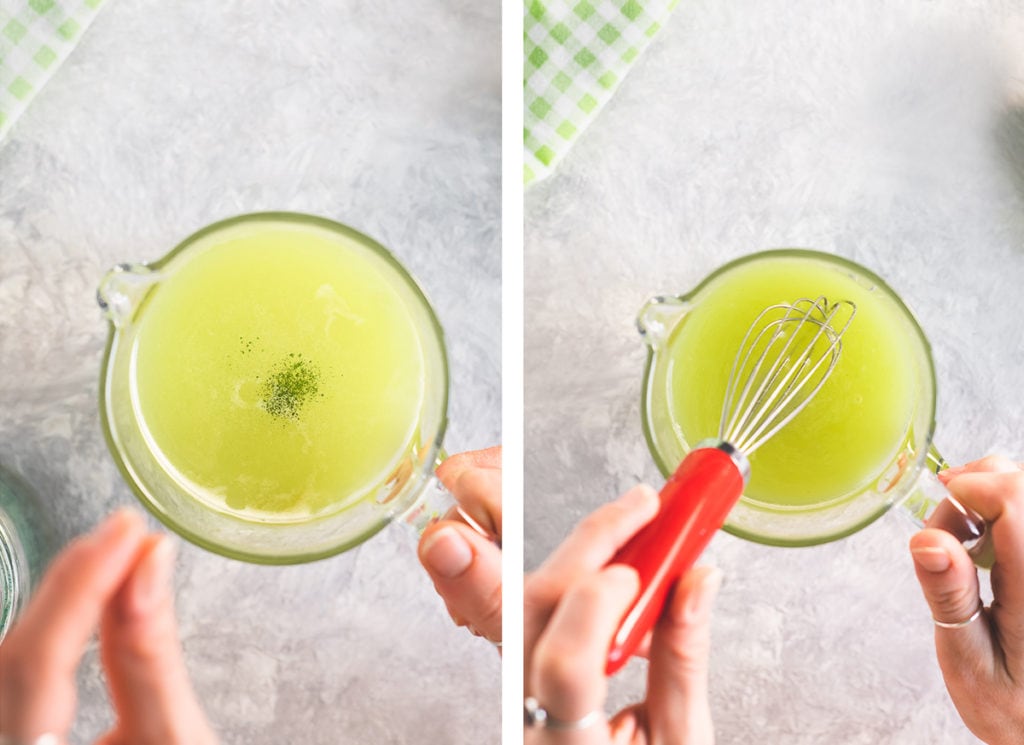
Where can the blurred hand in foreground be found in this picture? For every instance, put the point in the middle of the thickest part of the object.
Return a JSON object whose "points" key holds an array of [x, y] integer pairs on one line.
{"points": [[117, 579]]}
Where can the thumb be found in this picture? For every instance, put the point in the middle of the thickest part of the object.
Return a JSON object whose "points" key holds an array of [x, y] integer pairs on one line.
{"points": [[677, 687], [466, 570], [949, 581], [143, 659]]}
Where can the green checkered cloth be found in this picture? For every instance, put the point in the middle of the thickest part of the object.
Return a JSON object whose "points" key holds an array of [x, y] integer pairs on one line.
{"points": [[577, 53], [36, 36]]}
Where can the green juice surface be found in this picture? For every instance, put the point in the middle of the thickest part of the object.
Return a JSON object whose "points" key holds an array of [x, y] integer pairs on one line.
{"points": [[852, 428], [277, 372]]}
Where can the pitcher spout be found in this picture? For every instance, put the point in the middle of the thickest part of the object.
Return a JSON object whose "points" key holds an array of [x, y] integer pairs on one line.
{"points": [[122, 290], [658, 317]]}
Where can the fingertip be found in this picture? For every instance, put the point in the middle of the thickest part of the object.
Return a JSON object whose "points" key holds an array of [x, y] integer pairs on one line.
{"points": [[968, 473], [642, 499], [122, 523], [478, 494], [932, 559], [702, 600], [150, 582], [712, 581], [992, 464], [990, 494], [445, 552], [936, 551], [622, 575], [948, 474], [451, 468], [488, 457], [928, 538], [100, 559], [695, 594]]}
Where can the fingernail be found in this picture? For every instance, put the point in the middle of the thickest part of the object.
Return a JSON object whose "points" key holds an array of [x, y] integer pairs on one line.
{"points": [[947, 474], [152, 582], [624, 574], [115, 525], [447, 553], [698, 605], [640, 496], [932, 558]]}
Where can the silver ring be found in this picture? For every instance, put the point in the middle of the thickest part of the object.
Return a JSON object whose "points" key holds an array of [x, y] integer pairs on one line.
{"points": [[535, 715], [47, 739], [960, 624]]}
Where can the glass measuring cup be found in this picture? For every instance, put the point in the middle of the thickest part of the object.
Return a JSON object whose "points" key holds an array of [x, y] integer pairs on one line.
{"points": [[210, 339], [905, 476]]}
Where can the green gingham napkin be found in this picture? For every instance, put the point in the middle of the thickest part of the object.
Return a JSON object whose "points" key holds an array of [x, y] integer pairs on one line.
{"points": [[36, 36], [576, 54]]}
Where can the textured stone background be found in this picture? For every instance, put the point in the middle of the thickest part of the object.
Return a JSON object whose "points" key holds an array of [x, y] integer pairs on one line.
{"points": [[890, 133], [384, 115]]}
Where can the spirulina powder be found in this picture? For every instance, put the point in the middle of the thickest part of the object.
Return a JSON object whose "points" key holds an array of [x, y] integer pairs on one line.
{"points": [[290, 386]]}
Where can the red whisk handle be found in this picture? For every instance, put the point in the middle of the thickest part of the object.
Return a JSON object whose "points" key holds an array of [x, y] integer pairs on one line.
{"points": [[694, 503]]}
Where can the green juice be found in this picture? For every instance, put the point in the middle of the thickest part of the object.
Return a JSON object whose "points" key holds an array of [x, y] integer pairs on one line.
{"points": [[277, 373], [855, 425]]}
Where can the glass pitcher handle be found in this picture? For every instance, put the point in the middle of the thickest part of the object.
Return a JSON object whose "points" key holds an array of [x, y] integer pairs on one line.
{"points": [[930, 502], [436, 503]]}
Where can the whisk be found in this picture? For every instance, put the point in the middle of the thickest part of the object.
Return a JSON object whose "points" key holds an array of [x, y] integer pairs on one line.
{"points": [[786, 356]]}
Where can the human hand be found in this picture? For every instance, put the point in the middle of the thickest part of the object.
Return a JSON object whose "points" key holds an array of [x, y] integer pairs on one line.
{"points": [[119, 579], [465, 566], [982, 657], [573, 605]]}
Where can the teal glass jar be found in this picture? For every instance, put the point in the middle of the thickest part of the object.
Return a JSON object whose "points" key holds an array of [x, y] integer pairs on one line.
{"points": [[27, 544]]}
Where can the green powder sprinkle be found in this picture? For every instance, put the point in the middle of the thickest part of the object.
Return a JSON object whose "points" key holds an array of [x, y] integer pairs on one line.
{"points": [[290, 386]]}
